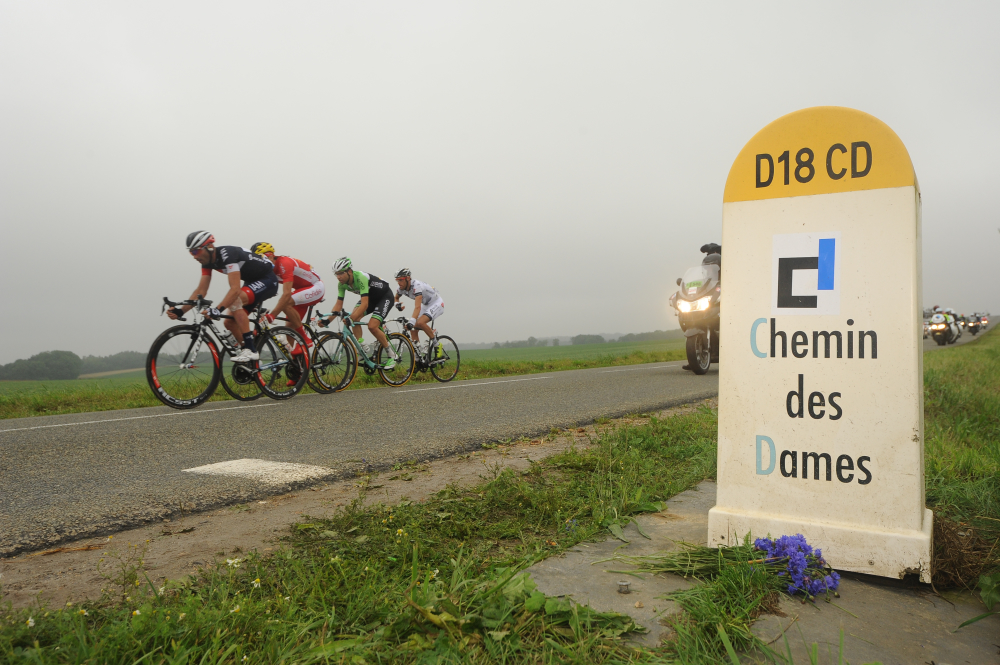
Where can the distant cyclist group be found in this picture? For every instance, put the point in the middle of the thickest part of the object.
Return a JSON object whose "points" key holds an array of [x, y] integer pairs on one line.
{"points": [[186, 356]]}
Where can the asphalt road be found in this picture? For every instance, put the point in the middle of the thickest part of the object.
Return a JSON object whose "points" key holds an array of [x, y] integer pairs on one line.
{"points": [[66, 477]]}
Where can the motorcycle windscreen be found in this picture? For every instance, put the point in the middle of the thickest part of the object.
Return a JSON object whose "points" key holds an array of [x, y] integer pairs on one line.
{"points": [[698, 279]]}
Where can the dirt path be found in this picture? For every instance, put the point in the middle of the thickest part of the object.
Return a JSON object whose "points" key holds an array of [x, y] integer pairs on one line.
{"points": [[181, 546]]}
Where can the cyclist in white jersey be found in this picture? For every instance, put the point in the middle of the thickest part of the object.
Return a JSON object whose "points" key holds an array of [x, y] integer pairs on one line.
{"points": [[427, 304]]}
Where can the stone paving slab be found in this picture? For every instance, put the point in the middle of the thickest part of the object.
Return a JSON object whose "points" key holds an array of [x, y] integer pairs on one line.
{"points": [[576, 574]]}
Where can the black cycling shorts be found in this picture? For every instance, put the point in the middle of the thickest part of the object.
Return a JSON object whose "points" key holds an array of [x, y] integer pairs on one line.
{"points": [[380, 304], [260, 290]]}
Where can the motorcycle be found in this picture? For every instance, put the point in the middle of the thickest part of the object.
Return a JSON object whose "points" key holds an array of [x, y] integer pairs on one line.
{"points": [[697, 309], [944, 330], [973, 324]]}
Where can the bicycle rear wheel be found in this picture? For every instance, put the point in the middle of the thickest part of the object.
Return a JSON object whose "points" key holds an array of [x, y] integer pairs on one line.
{"points": [[240, 380], [405, 354], [282, 373], [182, 367], [334, 363], [445, 366]]}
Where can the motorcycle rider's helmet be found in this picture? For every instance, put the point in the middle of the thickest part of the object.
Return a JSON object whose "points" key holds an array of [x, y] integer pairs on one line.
{"points": [[711, 248]]}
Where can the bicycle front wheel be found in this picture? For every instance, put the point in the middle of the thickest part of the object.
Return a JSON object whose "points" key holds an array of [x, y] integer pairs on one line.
{"points": [[283, 364], [445, 359], [334, 363], [403, 369], [182, 367]]}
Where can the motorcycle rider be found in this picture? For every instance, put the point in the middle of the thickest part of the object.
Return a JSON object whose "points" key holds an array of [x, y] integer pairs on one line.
{"points": [[713, 256]]}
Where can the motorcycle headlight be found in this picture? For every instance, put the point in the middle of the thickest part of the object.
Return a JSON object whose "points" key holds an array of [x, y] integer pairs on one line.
{"points": [[684, 306], [702, 304]]}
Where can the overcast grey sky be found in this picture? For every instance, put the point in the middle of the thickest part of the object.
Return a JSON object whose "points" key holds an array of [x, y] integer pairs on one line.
{"points": [[551, 167]]}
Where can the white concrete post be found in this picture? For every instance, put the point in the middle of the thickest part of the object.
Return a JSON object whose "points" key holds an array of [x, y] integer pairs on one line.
{"points": [[821, 370]]}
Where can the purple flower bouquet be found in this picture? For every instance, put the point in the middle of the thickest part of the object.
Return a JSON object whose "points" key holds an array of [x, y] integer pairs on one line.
{"points": [[807, 571]]}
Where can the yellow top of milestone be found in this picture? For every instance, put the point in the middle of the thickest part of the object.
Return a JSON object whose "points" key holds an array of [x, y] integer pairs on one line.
{"points": [[850, 151]]}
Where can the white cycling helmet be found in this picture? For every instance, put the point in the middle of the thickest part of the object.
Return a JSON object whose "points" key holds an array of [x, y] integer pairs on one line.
{"points": [[403, 272], [199, 239], [342, 264]]}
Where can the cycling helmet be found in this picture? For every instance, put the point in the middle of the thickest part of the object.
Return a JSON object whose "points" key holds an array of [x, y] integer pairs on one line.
{"points": [[261, 248], [403, 272], [199, 239], [342, 264]]}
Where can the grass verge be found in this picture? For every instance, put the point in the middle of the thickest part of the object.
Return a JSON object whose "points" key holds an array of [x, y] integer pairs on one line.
{"points": [[20, 399], [962, 458], [434, 582]]}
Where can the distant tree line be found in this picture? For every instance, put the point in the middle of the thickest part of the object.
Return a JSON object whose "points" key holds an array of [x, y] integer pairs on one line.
{"points": [[46, 365], [67, 365], [588, 339], [524, 343], [654, 336], [123, 360]]}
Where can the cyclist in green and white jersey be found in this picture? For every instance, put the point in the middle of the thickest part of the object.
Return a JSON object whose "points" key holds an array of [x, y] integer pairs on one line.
{"points": [[376, 299], [427, 305]]}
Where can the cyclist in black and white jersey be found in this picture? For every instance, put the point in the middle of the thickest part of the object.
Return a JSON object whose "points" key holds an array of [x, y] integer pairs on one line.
{"points": [[238, 264], [427, 305]]}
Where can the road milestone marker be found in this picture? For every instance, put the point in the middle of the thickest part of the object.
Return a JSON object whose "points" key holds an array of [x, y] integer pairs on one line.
{"points": [[821, 379]]}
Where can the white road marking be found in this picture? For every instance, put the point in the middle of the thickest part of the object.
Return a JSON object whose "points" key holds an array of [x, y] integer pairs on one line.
{"points": [[632, 369], [261, 470], [158, 415], [473, 385]]}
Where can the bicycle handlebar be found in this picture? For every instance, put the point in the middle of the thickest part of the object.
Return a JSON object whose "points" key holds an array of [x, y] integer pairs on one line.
{"points": [[200, 302], [194, 303]]}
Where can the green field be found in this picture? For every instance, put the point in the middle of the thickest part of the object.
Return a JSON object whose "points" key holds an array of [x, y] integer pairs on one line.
{"points": [[19, 399], [574, 352]]}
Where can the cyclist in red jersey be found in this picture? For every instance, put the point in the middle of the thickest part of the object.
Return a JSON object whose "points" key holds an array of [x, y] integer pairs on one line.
{"points": [[300, 288]]}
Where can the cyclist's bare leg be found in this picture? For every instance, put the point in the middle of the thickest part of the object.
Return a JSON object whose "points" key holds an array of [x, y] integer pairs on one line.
{"points": [[357, 327], [423, 323], [375, 328], [294, 321], [240, 323]]}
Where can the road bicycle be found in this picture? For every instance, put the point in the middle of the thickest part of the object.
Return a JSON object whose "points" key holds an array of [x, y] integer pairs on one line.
{"points": [[333, 362], [186, 363], [400, 373], [441, 357]]}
